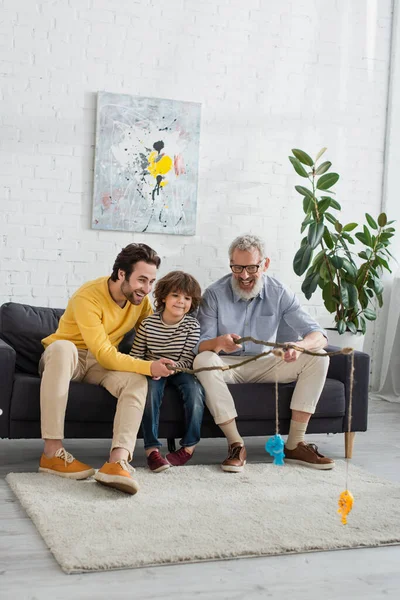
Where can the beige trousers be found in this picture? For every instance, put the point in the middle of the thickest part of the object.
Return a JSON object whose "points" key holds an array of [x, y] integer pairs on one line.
{"points": [[61, 363], [309, 372]]}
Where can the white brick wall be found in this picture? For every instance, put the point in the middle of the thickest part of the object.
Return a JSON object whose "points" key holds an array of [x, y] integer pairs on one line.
{"points": [[270, 76]]}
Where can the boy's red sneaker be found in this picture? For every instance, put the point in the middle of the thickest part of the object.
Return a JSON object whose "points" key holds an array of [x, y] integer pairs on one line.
{"points": [[178, 458], [156, 462]]}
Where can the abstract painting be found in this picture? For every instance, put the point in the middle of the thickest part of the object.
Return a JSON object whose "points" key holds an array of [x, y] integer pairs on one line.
{"points": [[146, 164]]}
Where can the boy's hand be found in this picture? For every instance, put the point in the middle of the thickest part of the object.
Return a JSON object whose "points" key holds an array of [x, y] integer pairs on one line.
{"points": [[158, 367]]}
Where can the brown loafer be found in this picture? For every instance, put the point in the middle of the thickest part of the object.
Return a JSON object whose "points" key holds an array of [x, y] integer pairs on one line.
{"points": [[308, 456], [236, 459]]}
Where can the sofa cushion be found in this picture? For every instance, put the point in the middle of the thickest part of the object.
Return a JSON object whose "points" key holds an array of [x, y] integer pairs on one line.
{"points": [[23, 327], [92, 403]]}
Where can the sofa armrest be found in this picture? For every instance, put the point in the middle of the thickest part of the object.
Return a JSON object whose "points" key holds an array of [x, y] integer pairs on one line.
{"points": [[7, 369], [339, 368]]}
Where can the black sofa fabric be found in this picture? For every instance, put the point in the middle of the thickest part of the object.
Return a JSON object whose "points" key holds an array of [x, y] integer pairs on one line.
{"points": [[90, 410]]}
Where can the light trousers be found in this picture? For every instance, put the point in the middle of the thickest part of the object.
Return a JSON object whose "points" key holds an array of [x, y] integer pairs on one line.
{"points": [[309, 372], [63, 362]]}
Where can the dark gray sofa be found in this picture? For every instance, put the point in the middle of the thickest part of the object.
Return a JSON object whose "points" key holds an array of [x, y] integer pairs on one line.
{"points": [[91, 408]]}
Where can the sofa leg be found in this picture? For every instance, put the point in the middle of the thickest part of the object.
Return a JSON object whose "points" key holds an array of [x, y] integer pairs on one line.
{"points": [[171, 444], [348, 443]]}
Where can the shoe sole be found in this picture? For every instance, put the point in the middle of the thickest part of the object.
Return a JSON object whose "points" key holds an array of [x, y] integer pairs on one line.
{"points": [[118, 482], [322, 467], [160, 469], [232, 469], [76, 476]]}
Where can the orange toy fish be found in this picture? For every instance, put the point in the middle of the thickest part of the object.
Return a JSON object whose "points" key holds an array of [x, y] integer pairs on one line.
{"points": [[345, 505]]}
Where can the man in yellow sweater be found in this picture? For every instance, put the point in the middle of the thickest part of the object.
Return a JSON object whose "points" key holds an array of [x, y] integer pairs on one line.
{"points": [[85, 348]]}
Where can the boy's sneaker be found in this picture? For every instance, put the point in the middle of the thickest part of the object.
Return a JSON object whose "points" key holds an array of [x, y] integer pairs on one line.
{"points": [[179, 458], [64, 464], [118, 475], [156, 462]]}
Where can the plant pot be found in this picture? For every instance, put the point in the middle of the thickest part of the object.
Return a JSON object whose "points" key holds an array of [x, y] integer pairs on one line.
{"points": [[345, 340]]}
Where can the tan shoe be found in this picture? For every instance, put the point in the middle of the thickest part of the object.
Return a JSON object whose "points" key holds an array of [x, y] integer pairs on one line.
{"points": [[308, 456], [118, 475], [236, 459], [64, 464]]}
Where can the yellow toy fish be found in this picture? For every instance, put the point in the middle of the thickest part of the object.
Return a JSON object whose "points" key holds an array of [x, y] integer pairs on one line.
{"points": [[345, 505]]}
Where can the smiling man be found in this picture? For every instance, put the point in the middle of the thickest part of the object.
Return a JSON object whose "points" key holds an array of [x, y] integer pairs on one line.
{"points": [[245, 303], [85, 348]]}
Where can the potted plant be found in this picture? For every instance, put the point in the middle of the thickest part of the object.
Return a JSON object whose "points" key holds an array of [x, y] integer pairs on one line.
{"points": [[350, 281]]}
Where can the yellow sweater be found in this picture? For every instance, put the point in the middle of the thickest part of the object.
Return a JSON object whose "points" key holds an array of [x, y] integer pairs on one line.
{"points": [[93, 321]]}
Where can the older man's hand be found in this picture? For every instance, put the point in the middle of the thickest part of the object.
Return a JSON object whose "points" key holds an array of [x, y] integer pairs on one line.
{"points": [[227, 342], [291, 355]]}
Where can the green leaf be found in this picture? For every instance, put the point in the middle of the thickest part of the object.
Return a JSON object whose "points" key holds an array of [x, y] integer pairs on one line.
{"points": [[323, 167], [338, 226], [310, 284], [363, 299], [328, 238], [327, 181], [302, 259], [350, 226], [384, 263], [327, 295], [318, 258], [303, 157], [341, 326], [353, 295], [320, 153], [344, 294], [336, 261], [369, 314], [323, 205], [307, 204], [378, 286], [300, 170], [363, 325], [330, 218], [351, 327], [382, 220], [350, 268], [324, 271], [315, 233], [334, 203], [367, 235], [306, 223], [360, 236], [371, 222], [304, 191], [347, 237]]}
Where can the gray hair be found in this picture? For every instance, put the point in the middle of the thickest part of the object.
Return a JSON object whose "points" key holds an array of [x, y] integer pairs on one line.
{"points": [[247, 243]]}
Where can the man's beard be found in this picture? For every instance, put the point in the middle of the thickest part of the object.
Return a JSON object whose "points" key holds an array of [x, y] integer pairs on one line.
{"points": [[128, 292], [243, 294]]}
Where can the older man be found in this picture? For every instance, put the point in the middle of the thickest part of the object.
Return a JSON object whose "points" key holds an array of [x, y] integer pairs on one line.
{"points": [[248, 302]]}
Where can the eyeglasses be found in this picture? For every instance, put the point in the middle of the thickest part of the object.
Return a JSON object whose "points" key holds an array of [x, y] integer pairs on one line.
{"points": [[251, 269]]}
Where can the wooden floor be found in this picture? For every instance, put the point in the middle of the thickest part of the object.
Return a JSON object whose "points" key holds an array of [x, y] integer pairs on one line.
{"points": [[28, 570]]}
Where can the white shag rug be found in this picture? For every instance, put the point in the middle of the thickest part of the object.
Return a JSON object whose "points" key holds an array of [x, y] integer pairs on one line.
{"points": [[201, 513]]}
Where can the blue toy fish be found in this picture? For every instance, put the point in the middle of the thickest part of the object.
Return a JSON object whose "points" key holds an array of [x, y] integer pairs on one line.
{"points": [[274, 447]]}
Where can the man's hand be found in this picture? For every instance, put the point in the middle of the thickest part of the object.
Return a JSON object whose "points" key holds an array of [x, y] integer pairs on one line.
{"points": [[291, 355], [227, 342], [158, 368]]}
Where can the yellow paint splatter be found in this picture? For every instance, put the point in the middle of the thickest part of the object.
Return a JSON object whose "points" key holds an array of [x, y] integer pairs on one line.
{"points": [[159, 167]]}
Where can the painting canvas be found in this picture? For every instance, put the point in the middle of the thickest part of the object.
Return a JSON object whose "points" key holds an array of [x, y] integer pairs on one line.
{"points": [[146, 164]]}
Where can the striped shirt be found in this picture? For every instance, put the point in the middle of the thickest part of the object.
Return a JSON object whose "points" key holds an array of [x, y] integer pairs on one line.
{"points": [[155, 339]]}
